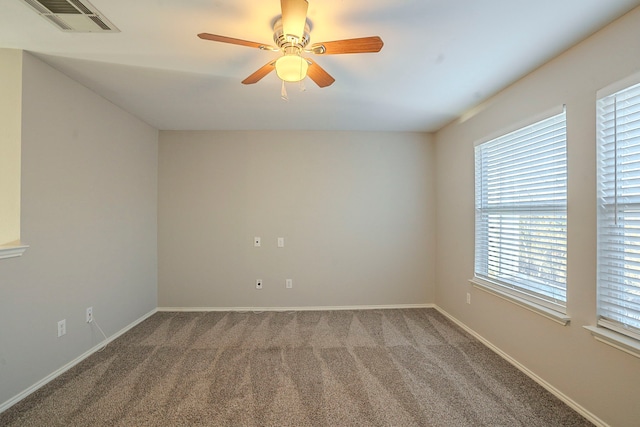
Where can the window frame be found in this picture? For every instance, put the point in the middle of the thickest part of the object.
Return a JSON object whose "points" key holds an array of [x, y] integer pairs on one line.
{"points": [[614, 332], [513, 292]]}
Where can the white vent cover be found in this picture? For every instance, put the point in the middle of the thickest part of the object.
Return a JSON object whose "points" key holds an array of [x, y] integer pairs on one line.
{"points": [[72, 15]]}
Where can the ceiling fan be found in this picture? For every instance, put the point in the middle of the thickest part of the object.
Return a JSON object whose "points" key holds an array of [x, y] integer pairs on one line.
{"points": [[291, 35]]}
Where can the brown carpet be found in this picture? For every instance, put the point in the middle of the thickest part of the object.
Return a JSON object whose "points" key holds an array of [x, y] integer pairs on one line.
{"points": [[409, 367]]}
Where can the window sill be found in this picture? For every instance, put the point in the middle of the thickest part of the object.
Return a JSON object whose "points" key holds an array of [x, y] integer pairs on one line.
{"points": [[12, 250], [557, 317], [616, 340]]}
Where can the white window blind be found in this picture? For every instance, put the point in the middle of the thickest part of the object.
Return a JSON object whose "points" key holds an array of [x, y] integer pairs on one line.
{"points": [[521, 212], [619, 211]]}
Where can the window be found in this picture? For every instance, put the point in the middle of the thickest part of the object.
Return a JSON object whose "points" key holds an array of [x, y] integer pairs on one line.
{"points": [[521, 214], [619, 211]]}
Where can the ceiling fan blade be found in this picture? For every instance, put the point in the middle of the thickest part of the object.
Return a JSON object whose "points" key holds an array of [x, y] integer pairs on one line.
{"points": [[294, 17], [318, 74], [260, 73], [359, 45], [231, 40]]}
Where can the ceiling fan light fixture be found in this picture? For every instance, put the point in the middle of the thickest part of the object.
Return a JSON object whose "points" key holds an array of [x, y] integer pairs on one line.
{"points": [[291, 68], [291, 36]]}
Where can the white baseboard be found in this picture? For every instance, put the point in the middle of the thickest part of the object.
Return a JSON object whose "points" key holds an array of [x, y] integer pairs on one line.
{"points": [[317, 308], [566, 399], [9, 403], [571, 403]]}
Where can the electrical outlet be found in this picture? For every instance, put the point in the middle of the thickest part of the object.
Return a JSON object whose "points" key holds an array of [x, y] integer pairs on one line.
{"points": [[256, 242], [288, 283], [62, 327], [281, 242], [259, 284], [468, 298], [89, 314]]}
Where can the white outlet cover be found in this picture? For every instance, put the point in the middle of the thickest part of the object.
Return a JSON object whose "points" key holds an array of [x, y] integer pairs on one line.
{"points": [[62, 327]]}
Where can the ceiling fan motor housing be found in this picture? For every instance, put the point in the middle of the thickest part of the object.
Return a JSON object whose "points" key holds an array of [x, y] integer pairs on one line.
{"points": [[284, 41]]}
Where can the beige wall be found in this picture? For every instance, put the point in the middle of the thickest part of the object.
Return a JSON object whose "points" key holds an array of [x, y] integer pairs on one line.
{"points": [[368, 219], [89, 203], [602, 379], [10, 122], [356, 210]]}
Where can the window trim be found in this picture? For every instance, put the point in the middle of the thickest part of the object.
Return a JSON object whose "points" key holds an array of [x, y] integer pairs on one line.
{"points": [[534, 307], [533, 119], [615, 339]]}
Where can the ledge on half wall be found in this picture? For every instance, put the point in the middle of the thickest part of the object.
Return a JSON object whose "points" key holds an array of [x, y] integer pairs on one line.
{"points": [[12, 249]]}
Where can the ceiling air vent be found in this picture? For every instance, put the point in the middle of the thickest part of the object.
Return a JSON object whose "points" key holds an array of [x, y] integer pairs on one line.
{"points": [[72, 15]]}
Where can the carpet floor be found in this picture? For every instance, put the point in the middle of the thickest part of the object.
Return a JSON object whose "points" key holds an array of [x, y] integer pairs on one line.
{"points": [[406, 367]]}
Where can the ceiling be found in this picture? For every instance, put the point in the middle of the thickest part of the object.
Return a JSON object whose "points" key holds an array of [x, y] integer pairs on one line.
{"points": [[440, 58]]}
